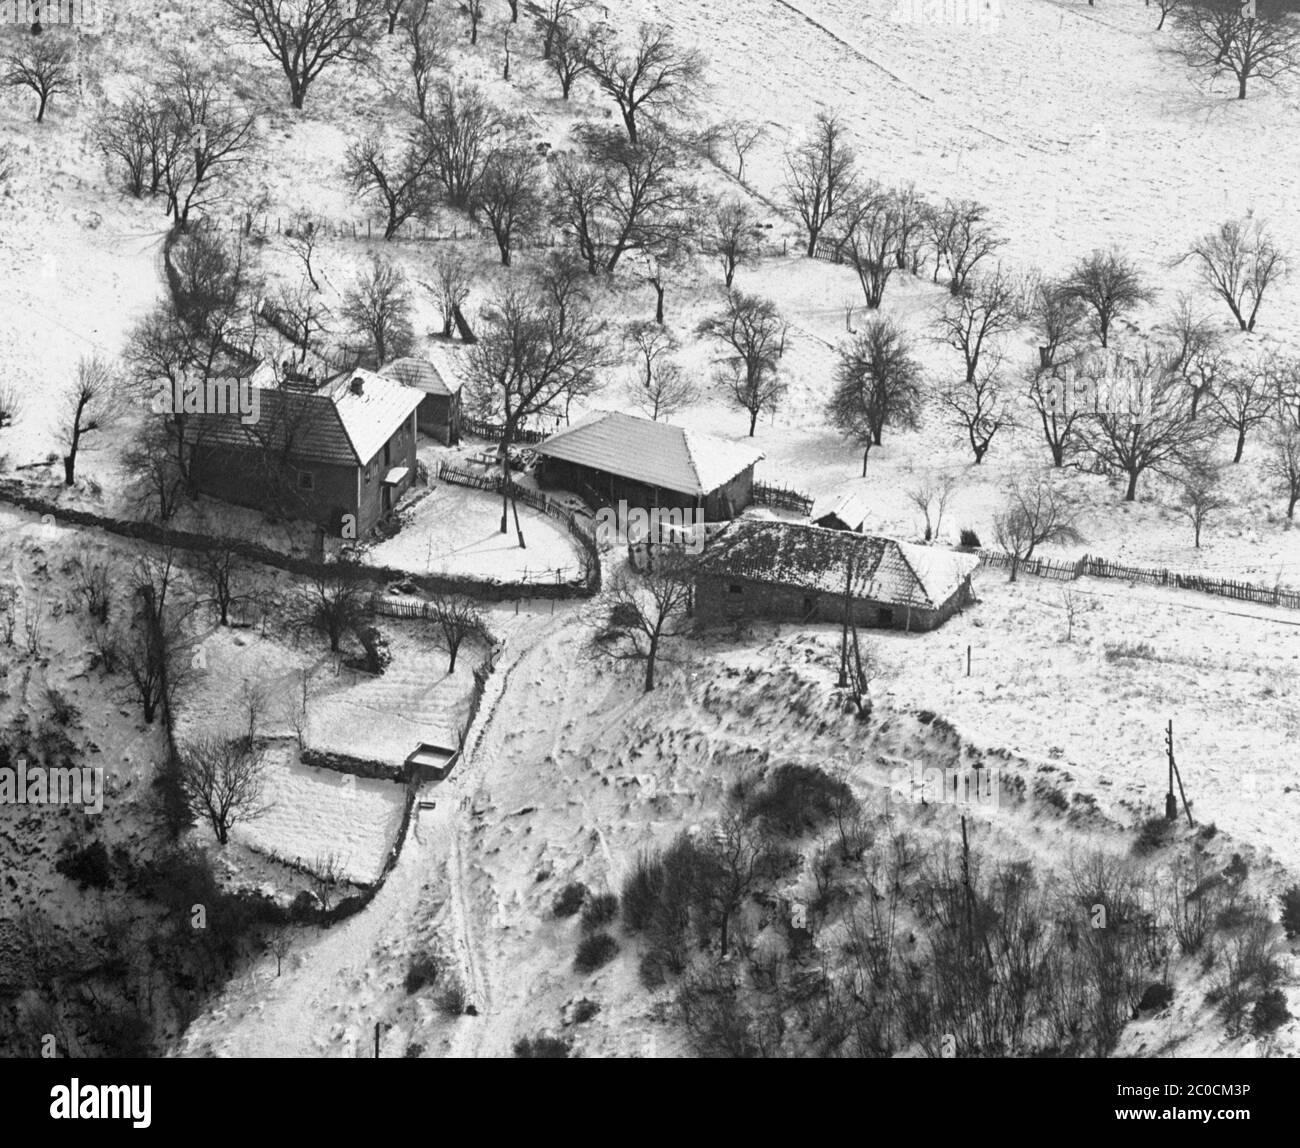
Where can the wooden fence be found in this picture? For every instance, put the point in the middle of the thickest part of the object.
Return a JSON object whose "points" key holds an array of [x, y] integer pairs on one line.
{"points": [[1102, 568], [494, 432], [782, 498]]}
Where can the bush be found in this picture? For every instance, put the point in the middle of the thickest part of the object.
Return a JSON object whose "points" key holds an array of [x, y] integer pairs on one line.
{"points": [[570, 899], [1153, 834], [641, 890], [652, 970], [1156, 996], [970, 538], [1270, 1012], [594, 951], [89, 867], [799, 798], [423, 970], [599, 910], [542, 1047], [454, 998], [413, 1051], [1051, 795], [1291, 910], [584, 1010]]}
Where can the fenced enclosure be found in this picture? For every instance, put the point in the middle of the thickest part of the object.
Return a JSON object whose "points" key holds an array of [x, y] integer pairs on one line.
{"points": [[1149, 576], [782, 498], [495, 432]]}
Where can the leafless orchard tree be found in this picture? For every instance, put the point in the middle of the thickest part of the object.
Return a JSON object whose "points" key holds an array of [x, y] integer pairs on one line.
{"points": [[754, 334], [646, 608], [878, 384], [378, 309], [1259, 40], [1166, 8], [309, 36], [1153, 429], [1200, 496], [962, 237], [43, 64], [552, 17], [220, 567], [730, 235], [1238, 262], [653, 74], [133, 135], [742, 135], [458, 619], [1108, 285], [154, 653], [401, 181], [661, 387], [821, 177], [1033, 515], [462, 129], [449, 283], [1243, 400], [301, 236], [1196, 350], [570, 55], [224, 778], [427, 43], [510, 195], [335, 599], [930, 495], [872, 239], [91, 406], [1282, 459]]}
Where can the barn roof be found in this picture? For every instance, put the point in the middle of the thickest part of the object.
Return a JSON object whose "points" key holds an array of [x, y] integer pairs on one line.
{"points": [[849, 506], [815, 558], [424, 375], [332, 424], [657, 454]]}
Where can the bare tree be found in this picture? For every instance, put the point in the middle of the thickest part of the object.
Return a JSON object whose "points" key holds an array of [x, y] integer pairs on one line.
{"points": [[219, 565], [552, 17], [458, 618], [154, 655], [427, 45], [225, 779], [1238, 262], [90, 407], [1282, 460], [449, 285], [393, 9], [1255, 40], [570, 55], [872, 225], [930, 496], [1152, 430], [543, 346], [307, 37], [44, 64], [821, 177], [1166, 7], [1243, 400], [1197, 353], [301, 237], [133, 134], [653, 74], [755, 334], [510, 195], [647, 608], [962, 237], [730, 235], [1057, 317], [912, 215], [1108, 285], [1033, 516], [742, 135], [661, 387], [473, 11], [1199, 495], [878, 384], [1060, 414], [378, 309], [401, 181], [462, 129], [335, 599]]}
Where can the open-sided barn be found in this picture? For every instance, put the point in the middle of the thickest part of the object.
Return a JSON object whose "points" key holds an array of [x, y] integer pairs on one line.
{"points": [[790, 572], [438, 380], [608, 457]]}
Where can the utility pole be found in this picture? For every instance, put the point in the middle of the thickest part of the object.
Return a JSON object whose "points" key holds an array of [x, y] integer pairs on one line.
{"points": [[844, 632], [1171, 803]]}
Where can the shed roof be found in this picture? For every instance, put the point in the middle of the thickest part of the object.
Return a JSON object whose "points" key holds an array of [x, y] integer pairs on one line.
{"points": [[423, 375], [815, 558], [657, 454]]}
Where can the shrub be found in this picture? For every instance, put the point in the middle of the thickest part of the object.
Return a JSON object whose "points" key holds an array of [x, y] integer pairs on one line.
{"points": [[641, 890], [62, 711], [1051, 795], [89, 867], [454, 997], [599, 910], [584, 1010], [423, 970], [1291, 910], [799, 798], [1156, 996], [1270, 1012], [542, 1047], [570, 899], [652, 971], [970, 538], [1153, 834], [413, 1051], [594, 951]]}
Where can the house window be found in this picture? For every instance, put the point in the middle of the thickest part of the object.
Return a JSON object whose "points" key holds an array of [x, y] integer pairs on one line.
{"points": [[306, 480], [886, 617], [370, 470]]}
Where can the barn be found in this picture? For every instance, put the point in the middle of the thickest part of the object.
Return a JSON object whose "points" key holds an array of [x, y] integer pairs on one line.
{"points": [[784, 571], [607, 457], [440, 383]]}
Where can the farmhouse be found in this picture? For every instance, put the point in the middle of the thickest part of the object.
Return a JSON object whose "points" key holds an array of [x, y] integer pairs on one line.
{"points": [[608, 457], [790, 572], [440, 384], [339, 453]]}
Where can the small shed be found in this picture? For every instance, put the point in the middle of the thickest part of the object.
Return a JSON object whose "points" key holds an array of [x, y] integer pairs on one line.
{"points": [[439, 413], [844, 511], [431, 761]]}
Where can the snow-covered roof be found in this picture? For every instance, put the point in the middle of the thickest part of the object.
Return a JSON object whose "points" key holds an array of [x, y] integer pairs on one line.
{"points": [[815, 558], [422, 374], [658, 454], [336, 424], [849, 506]]}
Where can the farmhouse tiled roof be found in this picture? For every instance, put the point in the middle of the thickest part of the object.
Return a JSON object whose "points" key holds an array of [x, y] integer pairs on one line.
{"points": [[422, 374], [334, 425], [815, 558], [657, 454]]}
